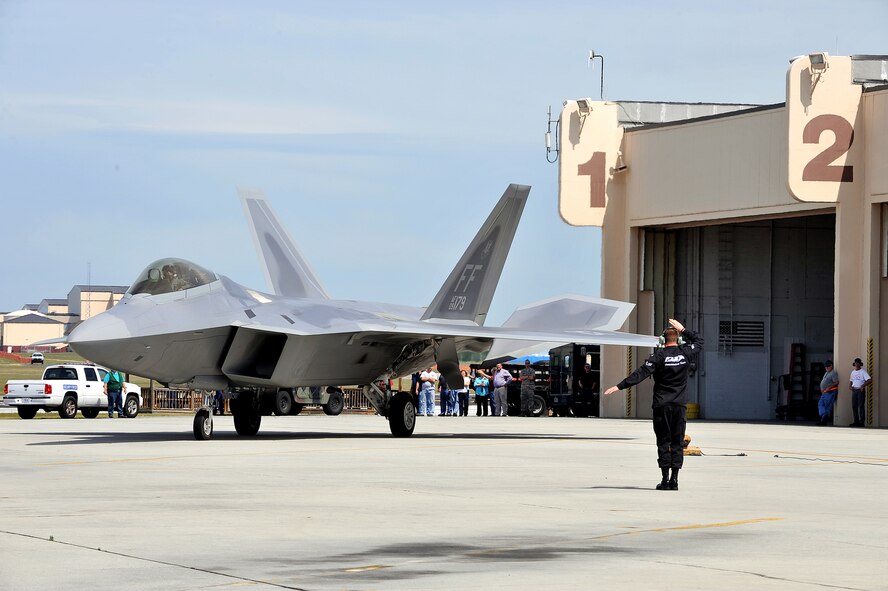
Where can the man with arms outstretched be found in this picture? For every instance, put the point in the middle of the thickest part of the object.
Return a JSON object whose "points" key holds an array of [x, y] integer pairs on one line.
{"points": [[669, 365]]}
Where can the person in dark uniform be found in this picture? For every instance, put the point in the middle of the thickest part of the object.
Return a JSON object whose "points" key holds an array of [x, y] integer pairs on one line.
{"points": [[527, 377], [669, 365]]}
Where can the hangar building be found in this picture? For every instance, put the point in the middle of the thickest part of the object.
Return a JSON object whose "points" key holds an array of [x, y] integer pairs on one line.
{"points": [[763, 227]]}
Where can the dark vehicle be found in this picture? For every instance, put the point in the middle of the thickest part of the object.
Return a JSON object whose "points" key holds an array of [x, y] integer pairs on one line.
{"points": [[567, 395], [540, 388]]}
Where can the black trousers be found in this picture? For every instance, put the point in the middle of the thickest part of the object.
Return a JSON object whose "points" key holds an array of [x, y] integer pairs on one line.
{"points": [[481, 404], [669, 426]]}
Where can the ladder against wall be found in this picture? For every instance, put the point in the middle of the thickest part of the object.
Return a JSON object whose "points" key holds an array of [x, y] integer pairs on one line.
{"points": [[797, 400]]}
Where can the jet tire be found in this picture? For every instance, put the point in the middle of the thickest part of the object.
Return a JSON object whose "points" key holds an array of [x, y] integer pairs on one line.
{"points": [[89, 413], [402, 415], [27, 412], [246, 422], [203, 425]]}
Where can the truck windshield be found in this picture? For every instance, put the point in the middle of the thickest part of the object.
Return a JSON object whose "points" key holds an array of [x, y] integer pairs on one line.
{"points": [[169, 275]]}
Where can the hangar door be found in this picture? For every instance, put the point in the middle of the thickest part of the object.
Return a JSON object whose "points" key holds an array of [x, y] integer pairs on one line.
{"points": [[761, 294]]}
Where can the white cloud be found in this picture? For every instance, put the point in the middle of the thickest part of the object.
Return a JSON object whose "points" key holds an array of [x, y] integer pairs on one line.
{"points": [[45, 113]]}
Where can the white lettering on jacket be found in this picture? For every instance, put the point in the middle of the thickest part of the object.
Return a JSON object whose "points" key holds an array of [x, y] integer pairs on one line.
{"points": [[675, 360]]}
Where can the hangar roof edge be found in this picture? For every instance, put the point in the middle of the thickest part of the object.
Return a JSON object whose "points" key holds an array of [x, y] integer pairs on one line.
{"points": [[752, 109]]}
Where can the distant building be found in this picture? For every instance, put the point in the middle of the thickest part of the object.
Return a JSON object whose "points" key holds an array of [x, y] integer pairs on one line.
{"points": [[86, 301], [53, 306], [21, 328], [53, 318]]}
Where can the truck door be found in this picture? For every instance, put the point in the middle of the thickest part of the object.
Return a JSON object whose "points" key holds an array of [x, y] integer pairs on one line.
{"points": [[95, 389]]}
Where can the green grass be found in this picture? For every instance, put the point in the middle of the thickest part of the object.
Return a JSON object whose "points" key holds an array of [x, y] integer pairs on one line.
{"points": [[10, 370]]}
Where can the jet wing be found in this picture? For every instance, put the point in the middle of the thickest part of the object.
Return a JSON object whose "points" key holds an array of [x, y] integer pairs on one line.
{"points": [[406, 331], [449, 340]]}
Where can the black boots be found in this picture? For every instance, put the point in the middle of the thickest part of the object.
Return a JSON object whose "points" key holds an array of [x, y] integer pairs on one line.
{"points": [[668, 483], [664, 484]]}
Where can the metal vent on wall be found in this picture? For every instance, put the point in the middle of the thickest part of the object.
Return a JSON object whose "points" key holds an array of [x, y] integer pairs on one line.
{"points": [[741, 334]]}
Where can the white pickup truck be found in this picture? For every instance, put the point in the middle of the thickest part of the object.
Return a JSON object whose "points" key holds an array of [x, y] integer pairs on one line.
{"points": [[68, 388]]}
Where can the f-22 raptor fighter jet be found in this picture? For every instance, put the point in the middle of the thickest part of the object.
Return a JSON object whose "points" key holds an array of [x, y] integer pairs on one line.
{"points": [[180, 323]]}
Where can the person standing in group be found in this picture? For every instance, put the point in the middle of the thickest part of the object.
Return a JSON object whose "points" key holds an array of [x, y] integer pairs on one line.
{"points": [[860, 379], [669, 365], [829, 390], [463, 395], [415, 383], [113, 389], [453, 407], [482, 385], [501, 379], [443, 396], [427, 381], [527, 377]]}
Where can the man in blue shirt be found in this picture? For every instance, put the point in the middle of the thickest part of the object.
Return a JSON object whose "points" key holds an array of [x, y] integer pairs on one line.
{"points": [[113, 389]]}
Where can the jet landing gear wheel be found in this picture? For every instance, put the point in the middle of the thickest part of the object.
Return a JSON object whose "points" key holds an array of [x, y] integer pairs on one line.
{"points": [[402, 415], [203, 425]]}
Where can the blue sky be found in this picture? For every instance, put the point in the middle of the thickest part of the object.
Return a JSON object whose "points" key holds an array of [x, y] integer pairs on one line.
{"points": [[382, 133]]}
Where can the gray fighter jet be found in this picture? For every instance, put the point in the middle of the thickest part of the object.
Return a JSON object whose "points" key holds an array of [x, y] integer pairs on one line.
{"points": [[180, 323]]}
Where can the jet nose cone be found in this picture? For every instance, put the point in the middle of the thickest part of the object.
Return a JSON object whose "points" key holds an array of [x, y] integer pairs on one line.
{"points": [[101, 327]]}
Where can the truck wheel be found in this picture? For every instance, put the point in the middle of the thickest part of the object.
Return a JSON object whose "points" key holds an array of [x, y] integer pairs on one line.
{"points": [[89, 413], [131, 407], [68, 409], [283, 403], [27, 412], [334, 405], [246, 422], [203, 425], [539, 406], [402, 415], [296, 408]]}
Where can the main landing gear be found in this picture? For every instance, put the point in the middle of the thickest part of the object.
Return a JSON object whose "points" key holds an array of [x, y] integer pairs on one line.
{"points": [[247, 410], [398, 407]]}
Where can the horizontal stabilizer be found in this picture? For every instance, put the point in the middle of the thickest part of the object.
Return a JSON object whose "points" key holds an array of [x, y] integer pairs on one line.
{"points": [[562, 313], [287, 271], [468, 291]]}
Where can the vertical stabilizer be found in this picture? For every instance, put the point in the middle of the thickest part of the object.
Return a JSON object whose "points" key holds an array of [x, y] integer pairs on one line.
{"points": [[287, 271], [468, 291]]}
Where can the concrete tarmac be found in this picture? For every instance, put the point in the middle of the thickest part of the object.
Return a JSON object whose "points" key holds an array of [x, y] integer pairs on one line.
{"points": [[317, 502]]}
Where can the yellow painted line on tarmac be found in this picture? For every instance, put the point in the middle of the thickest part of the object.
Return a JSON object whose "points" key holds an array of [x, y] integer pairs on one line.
{"points": [[689, 527], [360, 569]]}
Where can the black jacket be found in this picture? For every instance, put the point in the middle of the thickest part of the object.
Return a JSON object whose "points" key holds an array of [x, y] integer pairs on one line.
{"points": [[669, 366]]}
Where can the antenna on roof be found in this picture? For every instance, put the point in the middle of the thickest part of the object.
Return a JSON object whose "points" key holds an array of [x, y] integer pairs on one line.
{"points": [[592, 56]]}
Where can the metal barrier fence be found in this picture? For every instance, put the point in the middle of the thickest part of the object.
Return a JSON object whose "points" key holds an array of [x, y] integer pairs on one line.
{"points": [[171, 399]]}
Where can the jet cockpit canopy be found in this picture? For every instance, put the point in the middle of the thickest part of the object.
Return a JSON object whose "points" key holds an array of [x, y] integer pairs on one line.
{"points": [[171, 275]]}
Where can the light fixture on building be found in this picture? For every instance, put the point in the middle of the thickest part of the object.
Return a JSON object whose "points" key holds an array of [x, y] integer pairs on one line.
{"points": [[619, 165], [584, 106], [819, 62]]}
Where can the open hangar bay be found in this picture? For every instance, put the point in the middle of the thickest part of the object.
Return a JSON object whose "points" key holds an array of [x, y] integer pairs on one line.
{"points": [[478, 503]]}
